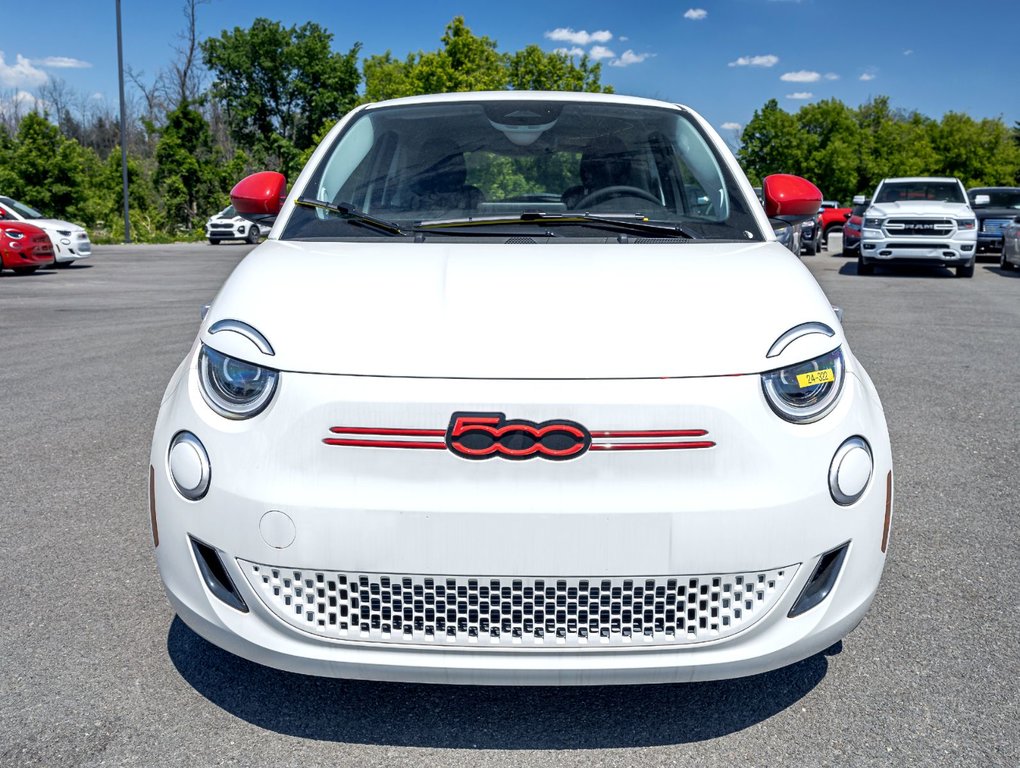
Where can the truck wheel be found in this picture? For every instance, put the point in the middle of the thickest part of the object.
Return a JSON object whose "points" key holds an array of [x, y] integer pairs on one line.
{"points": [[864, 268], [965, 270]]}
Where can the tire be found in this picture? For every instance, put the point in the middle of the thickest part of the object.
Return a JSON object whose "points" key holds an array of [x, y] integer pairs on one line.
{"points": [[811, 248], [253, 234], [965, 270], [863, 268], [1004, 265], [24, 270], [214, 241]]}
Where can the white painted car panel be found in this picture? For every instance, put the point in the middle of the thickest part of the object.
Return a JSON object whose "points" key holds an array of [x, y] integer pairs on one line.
{"points": [[620, 338]]}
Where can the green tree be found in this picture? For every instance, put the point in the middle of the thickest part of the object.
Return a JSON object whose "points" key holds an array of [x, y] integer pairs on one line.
{"points": [[46, 170], [772, 142], [532, 69], [467, 62], [278, 86], [188, 171], [978, 153], [832, 142]]}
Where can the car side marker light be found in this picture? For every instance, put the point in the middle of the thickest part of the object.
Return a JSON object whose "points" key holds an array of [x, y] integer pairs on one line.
{"points": [[888, 510], [152, 505]]}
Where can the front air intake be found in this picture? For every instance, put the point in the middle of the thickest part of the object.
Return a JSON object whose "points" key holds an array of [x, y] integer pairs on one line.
{"points": [[822, 580], [215, 576]]}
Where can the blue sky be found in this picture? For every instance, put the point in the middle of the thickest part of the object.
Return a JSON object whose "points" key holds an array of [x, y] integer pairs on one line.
{"points": [[724, 58]]}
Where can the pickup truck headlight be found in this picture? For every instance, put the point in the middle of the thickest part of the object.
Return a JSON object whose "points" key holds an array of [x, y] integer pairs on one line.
{"points": [[965, 224], [234, 388], [807, 391], [873, 222]]}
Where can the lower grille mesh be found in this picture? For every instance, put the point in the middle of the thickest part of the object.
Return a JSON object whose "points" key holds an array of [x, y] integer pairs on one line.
{"points": [[517, 611]]}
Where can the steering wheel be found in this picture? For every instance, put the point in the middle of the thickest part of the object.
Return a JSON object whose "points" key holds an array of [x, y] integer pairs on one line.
{"points": [[611, 193]]}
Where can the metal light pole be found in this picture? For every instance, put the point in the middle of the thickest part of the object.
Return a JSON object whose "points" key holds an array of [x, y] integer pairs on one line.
{"points": [[123, 129]]}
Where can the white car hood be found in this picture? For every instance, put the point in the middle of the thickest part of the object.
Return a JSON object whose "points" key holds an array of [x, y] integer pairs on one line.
{"points": [[521, 311], [921, 209], [55, 224]]}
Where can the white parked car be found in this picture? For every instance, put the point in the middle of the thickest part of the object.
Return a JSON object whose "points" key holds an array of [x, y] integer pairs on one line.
{"points": [[70, 241], [227, 225], [521, 389], [919, 220]]}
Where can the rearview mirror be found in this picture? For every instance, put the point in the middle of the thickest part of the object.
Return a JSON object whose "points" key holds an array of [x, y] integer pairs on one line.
{"points": [[790, 198], [859, 200], [259, 195], [981, 200]]}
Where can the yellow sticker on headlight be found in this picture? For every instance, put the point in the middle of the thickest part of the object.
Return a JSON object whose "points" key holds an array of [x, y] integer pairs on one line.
{"points": [[814, 378]]}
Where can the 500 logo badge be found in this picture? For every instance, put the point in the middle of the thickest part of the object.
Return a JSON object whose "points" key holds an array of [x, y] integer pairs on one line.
{"points": [[487, 435]]}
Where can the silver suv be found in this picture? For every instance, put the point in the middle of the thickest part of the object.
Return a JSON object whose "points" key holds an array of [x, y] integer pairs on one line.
{"points": [[919, 220]]}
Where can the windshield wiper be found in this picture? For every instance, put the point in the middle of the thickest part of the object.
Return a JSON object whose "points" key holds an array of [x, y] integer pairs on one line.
{"points": [[354, 214], [634, 223]]}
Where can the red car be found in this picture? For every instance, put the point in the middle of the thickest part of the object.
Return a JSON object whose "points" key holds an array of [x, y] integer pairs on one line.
{"points": [[24, 247], [833, 218]]}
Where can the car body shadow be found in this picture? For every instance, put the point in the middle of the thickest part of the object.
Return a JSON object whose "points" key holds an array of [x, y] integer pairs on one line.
{"points": [[905, 270], [483, 717], [997, 270]]}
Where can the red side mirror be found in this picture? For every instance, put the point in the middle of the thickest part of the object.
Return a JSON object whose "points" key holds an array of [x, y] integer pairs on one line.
{"points": [[790, 198], [259, 194]]}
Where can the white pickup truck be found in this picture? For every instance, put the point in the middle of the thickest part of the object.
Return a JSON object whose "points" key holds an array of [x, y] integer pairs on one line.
{"points": [[919, 220]]}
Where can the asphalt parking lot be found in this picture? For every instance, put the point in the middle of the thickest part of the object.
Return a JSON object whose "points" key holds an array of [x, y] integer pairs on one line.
{"points": [[96, 670]]}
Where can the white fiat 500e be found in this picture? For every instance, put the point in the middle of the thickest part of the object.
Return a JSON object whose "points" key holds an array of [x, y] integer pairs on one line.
{"points": [[521, 389]]}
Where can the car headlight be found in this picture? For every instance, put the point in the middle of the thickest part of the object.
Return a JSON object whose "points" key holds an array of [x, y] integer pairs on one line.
{"points": [[14, 234], [873, 222], [965, 223], [807, 391], [234, 388]]}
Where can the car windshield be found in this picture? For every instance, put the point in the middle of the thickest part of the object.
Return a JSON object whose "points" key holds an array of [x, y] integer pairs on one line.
{"points": [[227, 213], [563, 168], [21, 209], [997, 198], [910, 191]]}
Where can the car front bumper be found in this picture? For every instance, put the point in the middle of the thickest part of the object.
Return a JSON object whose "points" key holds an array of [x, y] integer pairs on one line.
{"points": [[921, 251], [604, 542], [70, 249]]}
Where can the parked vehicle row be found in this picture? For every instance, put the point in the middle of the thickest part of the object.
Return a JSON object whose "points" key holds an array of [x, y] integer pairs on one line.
{"points": [[932, 221], [70, 241]]}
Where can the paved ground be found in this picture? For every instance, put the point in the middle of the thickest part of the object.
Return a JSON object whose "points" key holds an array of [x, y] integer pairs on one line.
{"points": [[95, 670]]}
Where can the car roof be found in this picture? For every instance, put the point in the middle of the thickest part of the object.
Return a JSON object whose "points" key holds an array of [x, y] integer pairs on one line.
{"points": [[921, 178], [495, 96]]}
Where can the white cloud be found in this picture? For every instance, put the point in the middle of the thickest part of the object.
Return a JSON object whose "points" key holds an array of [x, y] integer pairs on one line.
{"points": [[20, 103], [575, 51], [599, 52], [21, 74], [629, 57], [802, 76], [866, 77], [61, 62], [908, 52], [831, 76], [731, 126], [696, 14], [768, 60], [800, 95], [579, 37]]}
